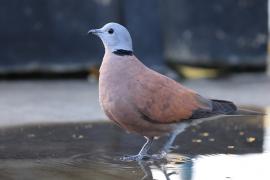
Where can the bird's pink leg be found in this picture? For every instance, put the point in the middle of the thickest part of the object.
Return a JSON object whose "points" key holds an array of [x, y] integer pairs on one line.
{"points": [[168, 145], [143, 152]]}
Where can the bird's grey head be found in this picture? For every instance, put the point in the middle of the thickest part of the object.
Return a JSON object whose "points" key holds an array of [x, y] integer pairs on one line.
{"points": [[115, 37]]}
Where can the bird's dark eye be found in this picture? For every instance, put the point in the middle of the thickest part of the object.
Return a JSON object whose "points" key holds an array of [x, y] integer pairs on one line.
{"points": [[110, 31]]}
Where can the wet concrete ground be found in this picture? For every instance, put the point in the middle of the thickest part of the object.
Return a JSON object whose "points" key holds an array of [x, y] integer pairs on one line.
{"points": [[56, 130], [226, 148]]}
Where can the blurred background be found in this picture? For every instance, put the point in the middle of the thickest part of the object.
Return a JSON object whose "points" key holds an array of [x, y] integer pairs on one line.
{"points": [[218, 48], [49, 36]]}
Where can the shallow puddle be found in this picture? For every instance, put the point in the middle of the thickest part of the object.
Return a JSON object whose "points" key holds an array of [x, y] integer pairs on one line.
{"points": [[227, 148]]}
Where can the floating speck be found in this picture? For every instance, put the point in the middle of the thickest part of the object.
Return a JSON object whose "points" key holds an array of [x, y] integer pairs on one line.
{"points": [[205, 134], [176, 158], [88, 126], [196, 140], [251, 139], [31, 135], [77, 136], [241, 133], [230, 147], [80, 137], [211, 139]]}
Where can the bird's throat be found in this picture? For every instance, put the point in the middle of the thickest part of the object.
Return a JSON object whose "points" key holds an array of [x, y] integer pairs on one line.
{"points": [[122, 52]]}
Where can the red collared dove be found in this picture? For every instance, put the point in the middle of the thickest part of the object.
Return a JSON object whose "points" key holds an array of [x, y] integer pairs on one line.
{"points": [[143, 101]]}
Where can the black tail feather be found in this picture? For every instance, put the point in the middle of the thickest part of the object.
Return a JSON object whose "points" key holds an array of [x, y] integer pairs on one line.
{"points": [[223, 107], [219, 107], [246, 112]]}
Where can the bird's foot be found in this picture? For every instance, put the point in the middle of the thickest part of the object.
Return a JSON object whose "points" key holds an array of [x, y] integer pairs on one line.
{"points": [[160, 155], [168, 149], [174, 147], [137, 157]]}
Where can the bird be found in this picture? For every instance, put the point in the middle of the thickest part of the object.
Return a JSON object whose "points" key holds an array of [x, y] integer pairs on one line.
{"points": [[143, 101]]}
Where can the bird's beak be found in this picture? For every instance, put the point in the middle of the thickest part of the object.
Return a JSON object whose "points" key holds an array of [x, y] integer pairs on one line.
{"points": [[94, 31]]}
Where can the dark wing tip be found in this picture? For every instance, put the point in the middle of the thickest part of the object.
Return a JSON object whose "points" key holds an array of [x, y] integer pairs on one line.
{"points": [[218, 107], [223, 107]]}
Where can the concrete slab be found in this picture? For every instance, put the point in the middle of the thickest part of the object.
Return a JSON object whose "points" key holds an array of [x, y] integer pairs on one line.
{"points": [[23, 102], [59, 101], [251, 89]]}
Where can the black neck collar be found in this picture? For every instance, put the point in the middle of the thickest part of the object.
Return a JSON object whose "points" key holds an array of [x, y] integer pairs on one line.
{"points": [[122, 52]]}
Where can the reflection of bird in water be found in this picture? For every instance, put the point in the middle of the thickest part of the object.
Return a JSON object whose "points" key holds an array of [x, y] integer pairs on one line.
{"points": [[167, 169], [148, 174], [143, 101]]}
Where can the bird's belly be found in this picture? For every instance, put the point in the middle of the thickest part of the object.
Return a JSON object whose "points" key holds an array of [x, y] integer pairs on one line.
{"points": [[118, 106], [127, 117], [115, 105]]}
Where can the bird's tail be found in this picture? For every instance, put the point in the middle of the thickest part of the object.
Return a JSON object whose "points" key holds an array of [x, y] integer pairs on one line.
{"points": [[247, 112], [223, 107], [228, 108]]}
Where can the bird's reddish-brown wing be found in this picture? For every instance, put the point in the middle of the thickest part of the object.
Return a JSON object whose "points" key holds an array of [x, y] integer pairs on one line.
{"points": [[162, 100]]}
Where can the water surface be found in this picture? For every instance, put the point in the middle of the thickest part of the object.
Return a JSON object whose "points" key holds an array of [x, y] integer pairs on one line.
{"points": [[227, 148]]}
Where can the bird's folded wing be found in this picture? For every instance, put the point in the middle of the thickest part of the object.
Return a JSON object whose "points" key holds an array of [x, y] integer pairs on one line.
{"points": [[162, 100]]}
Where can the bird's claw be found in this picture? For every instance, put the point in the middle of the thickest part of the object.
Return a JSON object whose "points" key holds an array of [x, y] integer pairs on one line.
{"points": [[160, 155], [174, 147], [137, 157], [140, 157]]}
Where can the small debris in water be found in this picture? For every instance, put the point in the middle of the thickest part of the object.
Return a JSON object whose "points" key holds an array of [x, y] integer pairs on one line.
{"points": [[77, 136], [211, 139], [205, 134], [251, 139], [88, 126], [230, 147], [31, 135], [196, 140], [80, 137], [241, 133], [176, 158]]}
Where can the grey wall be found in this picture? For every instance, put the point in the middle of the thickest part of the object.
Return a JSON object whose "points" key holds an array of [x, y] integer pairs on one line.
{"points": [[50, 35], [215, 33]]}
